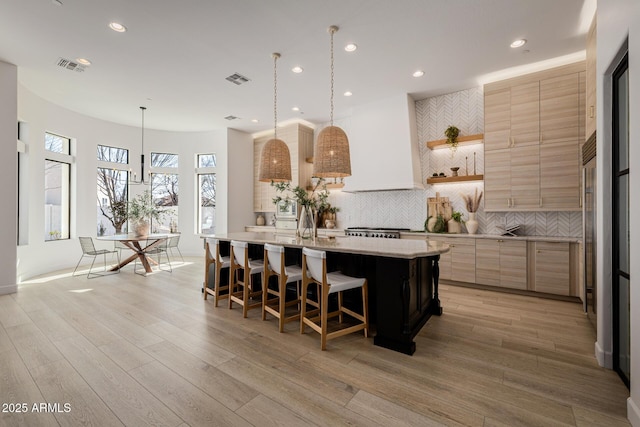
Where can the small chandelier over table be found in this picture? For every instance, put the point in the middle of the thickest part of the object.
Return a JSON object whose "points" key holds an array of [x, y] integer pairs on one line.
{"points": [[331, 158], [132, 179]]}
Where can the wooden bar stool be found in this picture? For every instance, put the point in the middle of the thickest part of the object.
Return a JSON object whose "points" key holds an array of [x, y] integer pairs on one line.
{"points": [[274, 266], [213, 257], [241, 291], [314, 271]]}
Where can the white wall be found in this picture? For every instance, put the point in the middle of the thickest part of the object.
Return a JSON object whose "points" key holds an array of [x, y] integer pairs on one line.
{"points": [[617, 21], [8, 191], [35, 256]]}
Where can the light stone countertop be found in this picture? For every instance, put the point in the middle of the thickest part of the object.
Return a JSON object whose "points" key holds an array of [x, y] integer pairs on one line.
{"points": [[392, 248], [494, 237]]}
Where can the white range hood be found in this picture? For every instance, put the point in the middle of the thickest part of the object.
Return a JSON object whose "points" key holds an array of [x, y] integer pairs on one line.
{"points": [[384, 148]]}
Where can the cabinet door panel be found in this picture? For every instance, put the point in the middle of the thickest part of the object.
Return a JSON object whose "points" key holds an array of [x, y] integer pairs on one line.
{"points": [[488, 262], [525, 114], [559, 102], [560, 175], [445, 259], [552, 268], [497, 120], [513, 264], [525, 177], [497, 179], [463, 260]]}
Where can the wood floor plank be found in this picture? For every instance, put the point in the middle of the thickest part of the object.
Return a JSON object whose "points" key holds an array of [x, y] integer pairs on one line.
{"points": [[133, 404], [52, 325], [213, 381], [189, 402], [32, 345], [61, 384], [11, 314], [5, 341], [386, 413], [125, 354], [17, 387], [264, 412]]}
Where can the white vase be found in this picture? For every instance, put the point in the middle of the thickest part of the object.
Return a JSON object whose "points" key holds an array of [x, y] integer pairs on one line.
{"points": [[472, 224], [306, 223], [453, 226], [141, 227]]}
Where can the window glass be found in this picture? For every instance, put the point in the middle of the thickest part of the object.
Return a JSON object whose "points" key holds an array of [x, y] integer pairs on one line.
{"points": [[56, 200], [207, 203], [113, 154], [164, 190], [164, 160], [111, 201], [56, 143], [206, 160]]}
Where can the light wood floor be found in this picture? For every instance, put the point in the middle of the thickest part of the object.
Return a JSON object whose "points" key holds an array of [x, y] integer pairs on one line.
{"points": [[135, 351]]}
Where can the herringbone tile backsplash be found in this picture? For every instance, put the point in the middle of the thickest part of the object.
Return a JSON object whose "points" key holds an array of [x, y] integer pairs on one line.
{"points": [[408, 209]]}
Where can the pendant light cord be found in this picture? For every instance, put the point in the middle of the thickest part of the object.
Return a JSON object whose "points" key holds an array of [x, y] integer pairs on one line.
{"points": [[332, 30], [275, 94]]}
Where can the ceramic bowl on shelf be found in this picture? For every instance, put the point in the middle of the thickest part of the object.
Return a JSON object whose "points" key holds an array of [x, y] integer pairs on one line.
{"points": [[455, 171]]}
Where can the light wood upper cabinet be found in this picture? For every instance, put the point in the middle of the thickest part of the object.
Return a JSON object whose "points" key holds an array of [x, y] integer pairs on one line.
{"points": [[299, 139], [533, 130]]}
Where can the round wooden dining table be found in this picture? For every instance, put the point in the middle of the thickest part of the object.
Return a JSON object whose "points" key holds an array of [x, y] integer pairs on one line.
{"points": [[140, 245]]}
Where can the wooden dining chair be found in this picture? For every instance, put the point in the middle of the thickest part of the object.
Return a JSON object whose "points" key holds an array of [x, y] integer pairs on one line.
{"points": [[274, 266], [314, 272], [214, 261], [89, 250], [241, 272]]}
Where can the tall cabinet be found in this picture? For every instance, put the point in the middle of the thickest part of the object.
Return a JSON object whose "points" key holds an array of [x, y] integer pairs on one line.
{"points": [[533, 129], [299, 139]]}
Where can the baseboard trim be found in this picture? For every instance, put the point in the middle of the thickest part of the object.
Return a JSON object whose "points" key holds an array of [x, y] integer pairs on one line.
{"points": [[8, 289], [604, 358], [633, 412]]}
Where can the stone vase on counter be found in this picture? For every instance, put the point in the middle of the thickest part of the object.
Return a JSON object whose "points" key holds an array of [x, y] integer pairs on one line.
{"points": [[453, 226], [472, 224]]}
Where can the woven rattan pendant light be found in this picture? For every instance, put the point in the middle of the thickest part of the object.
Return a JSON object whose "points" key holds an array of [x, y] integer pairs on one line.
{"points": [[331, 158], [275, 160]]}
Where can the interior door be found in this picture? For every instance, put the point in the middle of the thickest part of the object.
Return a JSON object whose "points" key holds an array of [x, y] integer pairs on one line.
{"points": [[620, 224]]}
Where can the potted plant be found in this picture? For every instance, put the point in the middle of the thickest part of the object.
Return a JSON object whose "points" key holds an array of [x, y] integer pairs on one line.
{"points": [[452, 133], [309, 203], [141, 210], [435, 224], [453, 225]]}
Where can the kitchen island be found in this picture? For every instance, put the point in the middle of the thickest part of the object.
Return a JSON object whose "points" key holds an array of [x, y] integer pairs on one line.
{"points": [[402, 276]]}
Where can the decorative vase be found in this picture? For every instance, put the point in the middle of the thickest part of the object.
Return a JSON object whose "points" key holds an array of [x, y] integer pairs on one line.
{"points": [[329, 223], [306, 223], [260, 220], [472, 224], [141, 227], [453, 226], [431, 222]]}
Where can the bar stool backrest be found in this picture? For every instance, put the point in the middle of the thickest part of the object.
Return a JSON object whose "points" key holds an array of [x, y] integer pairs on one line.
{"points": [[213, 245], [239, 252], [315, 263], [274, 255]]}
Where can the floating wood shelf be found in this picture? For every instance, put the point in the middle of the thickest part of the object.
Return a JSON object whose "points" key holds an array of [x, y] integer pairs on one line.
{"points": [[330, 185], [462, 140], [461, 178]]}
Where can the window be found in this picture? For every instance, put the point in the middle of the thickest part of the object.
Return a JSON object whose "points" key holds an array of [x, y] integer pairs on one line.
{"points": [[164, 160], [207, 195], [57, 187], [164, 190], [112, 186]]}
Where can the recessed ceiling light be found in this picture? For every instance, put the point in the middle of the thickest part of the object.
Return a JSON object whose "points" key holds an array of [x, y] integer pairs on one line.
{"points": [[115, 26], [518, 43], [297, 69], [296, 108], [83, 61], [418, 73], [348, 93], [351, 47], [254, 120]]}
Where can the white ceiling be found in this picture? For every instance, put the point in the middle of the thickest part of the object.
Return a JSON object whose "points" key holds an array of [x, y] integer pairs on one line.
{"points": [[176, 54]]}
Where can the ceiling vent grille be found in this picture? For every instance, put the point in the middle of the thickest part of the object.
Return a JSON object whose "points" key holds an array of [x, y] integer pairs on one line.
{"points": [[237, 78], [70, 65], [231, 117]]}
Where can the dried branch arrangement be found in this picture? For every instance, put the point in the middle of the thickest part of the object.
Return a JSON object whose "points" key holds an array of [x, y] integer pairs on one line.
{"points": [[472, 202]]}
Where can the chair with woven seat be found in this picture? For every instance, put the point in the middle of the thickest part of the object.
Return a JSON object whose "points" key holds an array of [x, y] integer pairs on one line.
{"points": [[242, 290], [314, 271], [88, 249], [274, 265], [173, 244], [213, 259]]}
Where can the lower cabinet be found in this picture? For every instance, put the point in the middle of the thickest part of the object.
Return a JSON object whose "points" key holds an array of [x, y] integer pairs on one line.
{"points": [[551, 268], [459, 263], [529, 265], [501, 263]]}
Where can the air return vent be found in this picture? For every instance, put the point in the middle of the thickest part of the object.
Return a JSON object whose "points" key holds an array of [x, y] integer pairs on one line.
{"points": [[232, 118], [237, 78], [70, 65]]}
